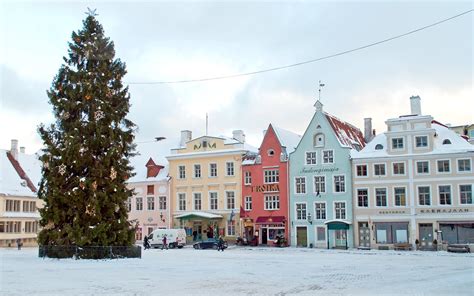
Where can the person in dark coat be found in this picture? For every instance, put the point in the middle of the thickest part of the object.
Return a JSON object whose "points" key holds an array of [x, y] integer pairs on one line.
{"points": [[19, 243], [164, 245], [220, 244], [146, 242]]}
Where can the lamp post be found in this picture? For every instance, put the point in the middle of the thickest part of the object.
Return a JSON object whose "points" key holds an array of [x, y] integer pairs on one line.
{"points": [[310, 220]]}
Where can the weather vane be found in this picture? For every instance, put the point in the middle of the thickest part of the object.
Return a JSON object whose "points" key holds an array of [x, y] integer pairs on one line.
{"points": [[321, 85], [91, 12]]}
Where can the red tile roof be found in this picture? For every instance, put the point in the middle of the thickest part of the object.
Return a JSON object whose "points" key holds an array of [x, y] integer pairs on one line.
{"points": [[347, 134], [20, 171]]}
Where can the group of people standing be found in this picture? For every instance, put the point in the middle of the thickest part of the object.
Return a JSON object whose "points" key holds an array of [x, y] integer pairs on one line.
{"points": [[164, 241]]}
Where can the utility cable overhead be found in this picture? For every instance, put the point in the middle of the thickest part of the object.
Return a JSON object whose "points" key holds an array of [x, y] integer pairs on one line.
{"points": [[308, 61]]}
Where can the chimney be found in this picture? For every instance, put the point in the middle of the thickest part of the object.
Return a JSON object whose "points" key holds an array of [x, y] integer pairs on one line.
{"points": [[239, 135], [367, 129], [14, 149], [185, 137], [22, 150], [415, 105]]}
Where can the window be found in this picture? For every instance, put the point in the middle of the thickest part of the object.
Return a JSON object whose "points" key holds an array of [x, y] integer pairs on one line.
{"points": [[197, 171], [391, 232], [362, 198], [465, 194], [270, 152], [32, 206], [422, 167], [248, 178], [399, 168], [424, 198], [197, 201], [12, 205], [400, 196], [381, 197], [300, 184], [397, 143], [231, 227], [213, 200], [446, 142], [26, 206], [300, 211], [321, 233], [213, 170], [272, 202], [150, 189], [150, 200], [229, 168], [271, 176], [11, 226], [361, 170], [182, 201], [443, 166], [139, 203], [421, 141], [310, 157], [379, 169], [464, 165], [129, 204], [230, 196], [378, 147], [339, 184], [319, 184], [162, 201], [340, 210], [182, 172], [444, 194], [248, 203], [320, 210], [328, 156], [318, 140]]}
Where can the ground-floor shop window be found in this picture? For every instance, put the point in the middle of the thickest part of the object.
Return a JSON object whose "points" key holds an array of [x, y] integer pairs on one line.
{"points": [[461, 233], [231, 227], [274, 232], [391, 232], [320, 234]]}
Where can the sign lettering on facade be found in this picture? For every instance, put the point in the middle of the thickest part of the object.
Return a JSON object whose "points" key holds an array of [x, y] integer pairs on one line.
{"points": [[318, 170], [391, 212], [437, 211], [205, 145], [266, 188]]}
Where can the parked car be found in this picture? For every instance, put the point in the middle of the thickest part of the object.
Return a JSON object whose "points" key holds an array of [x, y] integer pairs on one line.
{"points": [[176, 238], [208, 244]]}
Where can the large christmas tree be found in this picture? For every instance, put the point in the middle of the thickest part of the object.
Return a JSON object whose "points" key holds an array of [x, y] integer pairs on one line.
{"points": [[87, 149]]}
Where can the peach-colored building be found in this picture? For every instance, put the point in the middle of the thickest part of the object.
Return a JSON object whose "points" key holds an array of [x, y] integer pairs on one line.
{"points": [[149, 206], [413, 184], [20, 174]]}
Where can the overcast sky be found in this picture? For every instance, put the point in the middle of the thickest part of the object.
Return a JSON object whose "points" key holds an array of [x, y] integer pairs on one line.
{"points": [[162, 41]]}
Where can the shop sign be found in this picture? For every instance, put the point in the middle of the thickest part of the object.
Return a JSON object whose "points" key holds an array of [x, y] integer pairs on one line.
{"points": [[313, 170], [271, 225], [447, 211], [266, 188], [392, 212]]}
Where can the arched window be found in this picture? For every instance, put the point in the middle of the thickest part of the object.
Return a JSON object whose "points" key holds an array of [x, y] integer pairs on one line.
{"points": [[378, 147], [318, 140], [446, 141]]}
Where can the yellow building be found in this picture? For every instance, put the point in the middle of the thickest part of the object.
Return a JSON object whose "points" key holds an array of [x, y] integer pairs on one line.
{"points": [[205, 189]]}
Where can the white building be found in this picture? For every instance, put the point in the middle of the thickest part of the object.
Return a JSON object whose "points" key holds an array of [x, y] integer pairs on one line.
{"points": [[414, 183]]}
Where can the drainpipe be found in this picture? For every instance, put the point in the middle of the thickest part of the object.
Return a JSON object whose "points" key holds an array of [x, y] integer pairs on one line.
{"points": [[169, 204], [288, 223]]}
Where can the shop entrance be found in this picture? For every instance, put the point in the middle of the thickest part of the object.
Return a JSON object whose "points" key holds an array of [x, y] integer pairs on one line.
{"points": [[264, 236], [340, 236], [301, 237], [426, 236], [364, 235], [197, 230]]}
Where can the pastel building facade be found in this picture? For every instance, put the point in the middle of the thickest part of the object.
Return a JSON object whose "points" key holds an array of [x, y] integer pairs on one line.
{"points": [[149, 207], [265, 200], [205, 188], [20, 175], [414, 183], [321, 183]]}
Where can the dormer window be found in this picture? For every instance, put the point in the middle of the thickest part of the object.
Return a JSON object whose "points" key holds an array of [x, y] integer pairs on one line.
{"points": [[446, 141], [378, 147], [271, 152], [318, 140]]}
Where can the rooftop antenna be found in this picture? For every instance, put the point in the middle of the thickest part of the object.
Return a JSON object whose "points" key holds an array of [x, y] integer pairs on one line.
{"points": [[321, 85], [207, 124]]}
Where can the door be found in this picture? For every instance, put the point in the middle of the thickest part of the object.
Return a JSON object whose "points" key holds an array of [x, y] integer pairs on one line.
{"points": [[340, 238], [301, 237], [364, 235], [264, 236], [426, 236], [197, 229]]}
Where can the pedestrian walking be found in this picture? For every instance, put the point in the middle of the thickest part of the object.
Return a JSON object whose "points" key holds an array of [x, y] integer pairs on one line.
{"points": [[220, 244], [146, 242], [164, 245], [19, 243]]}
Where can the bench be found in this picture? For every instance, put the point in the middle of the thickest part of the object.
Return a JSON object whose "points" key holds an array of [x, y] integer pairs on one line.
{"points": [[462, 248], [402, 247]]}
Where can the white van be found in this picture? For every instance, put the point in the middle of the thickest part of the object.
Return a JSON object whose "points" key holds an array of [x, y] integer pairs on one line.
{"points": [[174, 238]]}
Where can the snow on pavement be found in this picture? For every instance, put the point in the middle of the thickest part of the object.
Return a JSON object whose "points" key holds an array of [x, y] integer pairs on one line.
{"points": [[241, 271]]}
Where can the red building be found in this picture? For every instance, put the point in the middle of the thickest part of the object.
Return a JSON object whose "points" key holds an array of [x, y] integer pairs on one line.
{"points": [[264, 211]]}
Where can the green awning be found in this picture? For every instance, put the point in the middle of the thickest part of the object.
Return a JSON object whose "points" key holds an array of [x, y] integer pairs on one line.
{"points": [[337, 224]]}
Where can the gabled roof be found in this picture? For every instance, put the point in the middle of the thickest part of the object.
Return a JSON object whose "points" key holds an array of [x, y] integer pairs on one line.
{"points": [[347, 134], [19, 177], [287, 139], [148, 155]]}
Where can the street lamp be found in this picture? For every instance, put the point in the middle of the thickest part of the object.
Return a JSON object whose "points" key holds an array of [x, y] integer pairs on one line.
{"points": [[310, 220]]}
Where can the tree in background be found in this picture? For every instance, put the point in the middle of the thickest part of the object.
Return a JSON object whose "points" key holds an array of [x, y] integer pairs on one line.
{"points": [[87, 149]]}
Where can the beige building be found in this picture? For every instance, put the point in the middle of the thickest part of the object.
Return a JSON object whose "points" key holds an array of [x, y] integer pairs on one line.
{"points": [[150, 205], [205, 189], [412, 184], [20, 174]]}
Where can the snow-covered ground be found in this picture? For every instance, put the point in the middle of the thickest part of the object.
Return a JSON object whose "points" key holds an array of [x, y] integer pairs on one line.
{"points": [[241, 271]]}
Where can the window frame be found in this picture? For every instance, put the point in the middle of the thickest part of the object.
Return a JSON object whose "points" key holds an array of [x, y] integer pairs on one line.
{"points": [[178, 196], [183, 175], [271, 202], [366, 170], [395, 196], [315, 158], [386, 197], [367, 197], [324, 184], [438, 187], [227, 199], [404, 168], [210, 205], [429, 195], [248, 203], [438, 166], [402, 143], [195, 171], [229, 168], [247, 178], [323, 156], [194, 201], [458, 167], [335, 209], [422, 173], [461, 192], [421, 147], [271, 178], [211, 170], [316, 210], [305, 211], [384, 169], [344, 183]]}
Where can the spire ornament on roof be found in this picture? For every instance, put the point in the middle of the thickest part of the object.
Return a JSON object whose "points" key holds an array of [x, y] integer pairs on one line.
{"points": [[318, 104]]}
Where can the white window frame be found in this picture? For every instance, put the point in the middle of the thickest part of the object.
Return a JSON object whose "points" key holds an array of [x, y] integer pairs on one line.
{"points": [[162, 205], [248, 203], [457, 165], [314, 184], [385, 169], [179, 172], [437, 167], [148, 203], [416, 168], [472, 195], [334, 184], [397, 148], [271, 202], [386, 197], [136, 203], [210, 170], [366, 170], [421, 147], [316, 212], [194, 201], [450, 195], [394, 196], [333, 156], [418, 195], [229, 166], [357, 197], [404, 168], [210, 200], [226, 200], [305, 209], [247, 178], [304, 187], [227, 225], [179, 202], [273, 177], [194, 171], [316, 143], [334, 209], [315, 158]]}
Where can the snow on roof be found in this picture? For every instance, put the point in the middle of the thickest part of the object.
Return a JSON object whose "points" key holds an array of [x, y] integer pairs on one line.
{"points": [[138, 162], [199, 214], [458, 144], [347, 134], [11, 182], [287, 138]]}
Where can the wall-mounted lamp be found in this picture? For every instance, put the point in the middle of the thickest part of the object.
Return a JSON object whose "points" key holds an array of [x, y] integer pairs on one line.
{"points": [[310, 220]]}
